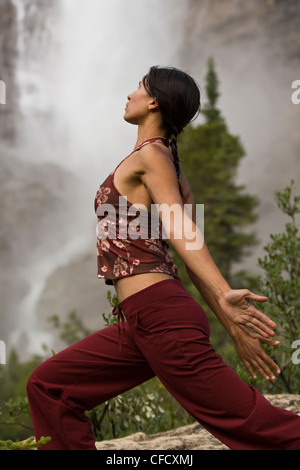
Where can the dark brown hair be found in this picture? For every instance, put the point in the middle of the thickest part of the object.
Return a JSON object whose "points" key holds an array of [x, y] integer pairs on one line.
{"points": [[178, 98]]}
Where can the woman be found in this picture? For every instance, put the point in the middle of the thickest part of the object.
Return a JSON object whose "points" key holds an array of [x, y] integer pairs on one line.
{"points": [[162, 330]]}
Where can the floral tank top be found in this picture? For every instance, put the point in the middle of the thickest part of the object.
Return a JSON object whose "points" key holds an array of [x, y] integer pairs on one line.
{"points": [[129, 240]]}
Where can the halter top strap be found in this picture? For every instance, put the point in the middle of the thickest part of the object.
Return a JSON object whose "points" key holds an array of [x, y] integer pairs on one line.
{"points": [[164, 140]]}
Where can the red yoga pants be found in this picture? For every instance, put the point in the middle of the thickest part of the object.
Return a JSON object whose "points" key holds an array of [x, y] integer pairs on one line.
{"points": [[166, 333]]}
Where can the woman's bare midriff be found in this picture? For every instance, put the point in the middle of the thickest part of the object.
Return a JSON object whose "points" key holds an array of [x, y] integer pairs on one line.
{"points": [[127, 286]]}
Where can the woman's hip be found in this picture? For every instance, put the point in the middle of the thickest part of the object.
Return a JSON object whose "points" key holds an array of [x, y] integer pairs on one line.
{"points": [[164, 306]]}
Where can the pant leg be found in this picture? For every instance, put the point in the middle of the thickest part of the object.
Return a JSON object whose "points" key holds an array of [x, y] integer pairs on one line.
{"points": [[172, 331], [79, 378]]}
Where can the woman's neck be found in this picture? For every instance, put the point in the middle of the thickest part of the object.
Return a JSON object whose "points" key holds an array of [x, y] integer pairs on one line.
{"points": [[149, 132]]}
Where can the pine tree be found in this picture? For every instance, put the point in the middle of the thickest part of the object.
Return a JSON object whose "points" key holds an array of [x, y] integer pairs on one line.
{"points": [[210, 111]]}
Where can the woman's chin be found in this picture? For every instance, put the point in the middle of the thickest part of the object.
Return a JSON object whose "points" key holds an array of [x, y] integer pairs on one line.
{"points": [[129, 119]]}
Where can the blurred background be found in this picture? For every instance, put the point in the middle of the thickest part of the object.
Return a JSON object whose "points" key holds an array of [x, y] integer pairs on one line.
{"points": [[68, 67]]}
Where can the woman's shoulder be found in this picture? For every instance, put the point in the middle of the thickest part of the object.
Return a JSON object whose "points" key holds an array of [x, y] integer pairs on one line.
{"points": [[156, 155], [157, 159]]}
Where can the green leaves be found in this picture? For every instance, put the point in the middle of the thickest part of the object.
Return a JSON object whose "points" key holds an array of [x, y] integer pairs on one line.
{"points": [[28, 444], [147, 408], [281, 283], [125, 413], [72, 330], [17, 414], [287, 204]]}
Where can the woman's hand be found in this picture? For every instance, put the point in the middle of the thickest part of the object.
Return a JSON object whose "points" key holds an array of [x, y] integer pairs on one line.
{"points": [[254, 357], [237, 307]]}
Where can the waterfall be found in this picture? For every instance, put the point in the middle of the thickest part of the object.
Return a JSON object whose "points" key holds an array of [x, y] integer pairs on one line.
{"points": [[74, 74]]}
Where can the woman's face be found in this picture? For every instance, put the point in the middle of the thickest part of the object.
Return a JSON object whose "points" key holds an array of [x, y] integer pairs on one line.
{"points": [[139, 105]]}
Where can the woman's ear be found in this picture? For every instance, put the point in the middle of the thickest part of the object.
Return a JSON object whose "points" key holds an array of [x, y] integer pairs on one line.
{"points": [[153, 105]]}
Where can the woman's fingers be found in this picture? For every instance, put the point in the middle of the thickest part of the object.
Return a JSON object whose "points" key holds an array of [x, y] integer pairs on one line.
{"points": [[255, 297], [263, 370], [250, 370], [254, 357], [258, 322], [270, 342], [237, 304], [267, 366], [257, 313], [264, 366], [252, 317]]}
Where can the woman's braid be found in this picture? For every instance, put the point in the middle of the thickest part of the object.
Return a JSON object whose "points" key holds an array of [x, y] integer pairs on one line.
{"points": [[174, 150], [173, 147]]}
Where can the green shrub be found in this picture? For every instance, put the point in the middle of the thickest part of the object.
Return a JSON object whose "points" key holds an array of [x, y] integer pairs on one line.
{"points": [[280, 282]]}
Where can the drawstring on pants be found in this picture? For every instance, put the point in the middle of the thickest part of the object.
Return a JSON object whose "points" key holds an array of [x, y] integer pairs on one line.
{"points": [[120, 319]]}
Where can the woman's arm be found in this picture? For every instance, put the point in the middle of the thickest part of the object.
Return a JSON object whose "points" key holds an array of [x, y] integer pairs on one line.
{"points": [[232, 307], [160, 179]]}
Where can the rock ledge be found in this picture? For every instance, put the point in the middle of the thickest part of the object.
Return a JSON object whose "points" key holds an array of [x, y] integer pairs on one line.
{"points": [[191, 437]]}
